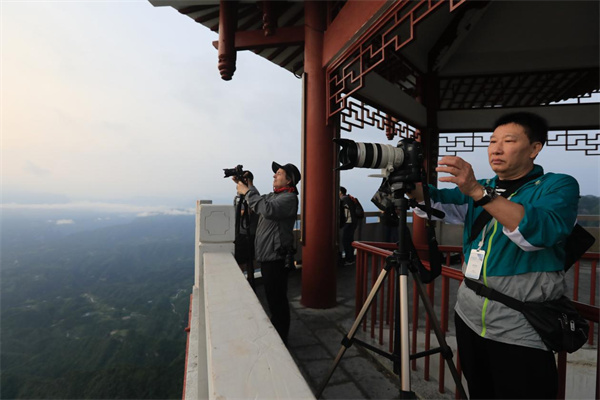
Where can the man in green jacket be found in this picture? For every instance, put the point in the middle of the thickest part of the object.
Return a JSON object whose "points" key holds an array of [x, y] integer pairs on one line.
{"points": [[519, 251]]}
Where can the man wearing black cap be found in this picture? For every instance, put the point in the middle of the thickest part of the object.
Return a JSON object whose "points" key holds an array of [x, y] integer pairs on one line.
{"points": [[275, 237]]}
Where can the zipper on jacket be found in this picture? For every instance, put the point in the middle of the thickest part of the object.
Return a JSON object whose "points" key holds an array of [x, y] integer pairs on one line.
{"points": [[485, 261]]}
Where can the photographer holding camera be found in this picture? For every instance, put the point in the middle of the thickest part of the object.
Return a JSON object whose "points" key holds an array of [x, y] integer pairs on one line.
{"points": [[274, 243], [515, 228]]}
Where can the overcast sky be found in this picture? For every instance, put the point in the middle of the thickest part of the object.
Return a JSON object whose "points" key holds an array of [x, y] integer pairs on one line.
{"points": [[122, 102]]}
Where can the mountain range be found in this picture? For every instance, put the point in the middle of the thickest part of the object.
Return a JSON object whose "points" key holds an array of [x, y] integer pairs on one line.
{"points": [[94, 305]]}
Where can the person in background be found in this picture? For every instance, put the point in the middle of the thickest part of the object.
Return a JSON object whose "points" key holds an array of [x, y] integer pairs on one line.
{"points": [[274, 241], [348, 225], [517, 248], [246, 222]]}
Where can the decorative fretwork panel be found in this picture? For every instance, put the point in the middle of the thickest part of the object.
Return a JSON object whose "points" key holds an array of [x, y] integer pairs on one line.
{"points": [[576, 141], [394, 32], [359, 115], [452, 144], [455, 143]]}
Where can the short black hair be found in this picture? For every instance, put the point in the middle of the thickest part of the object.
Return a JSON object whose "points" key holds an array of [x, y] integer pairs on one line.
{"points": [[536, 127], [343, 190]]}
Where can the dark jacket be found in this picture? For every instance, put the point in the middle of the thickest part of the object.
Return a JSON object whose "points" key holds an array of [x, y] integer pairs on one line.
{"points": [[347, 203], [275, 230]]}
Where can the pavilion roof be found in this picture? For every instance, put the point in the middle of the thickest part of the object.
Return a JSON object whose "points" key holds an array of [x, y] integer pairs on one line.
{"points": [[485, 53]]}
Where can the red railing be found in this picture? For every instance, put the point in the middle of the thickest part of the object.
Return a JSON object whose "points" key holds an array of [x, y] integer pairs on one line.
{"points": [[187, 345], [370, 262]]}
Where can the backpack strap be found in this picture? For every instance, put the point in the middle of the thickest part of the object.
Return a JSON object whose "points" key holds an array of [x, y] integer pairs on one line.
{"points": [[578, 242], [495, 295]]}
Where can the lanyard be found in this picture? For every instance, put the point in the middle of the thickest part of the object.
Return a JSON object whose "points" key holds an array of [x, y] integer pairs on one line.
{"points": [[485, 230]]}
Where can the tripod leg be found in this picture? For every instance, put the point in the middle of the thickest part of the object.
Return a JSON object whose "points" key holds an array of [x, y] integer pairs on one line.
{"points": [[347, 341], [404, 341], [446, 350]]}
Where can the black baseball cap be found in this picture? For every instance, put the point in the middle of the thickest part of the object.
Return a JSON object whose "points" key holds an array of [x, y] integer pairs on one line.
{"points": [[290, 170]]}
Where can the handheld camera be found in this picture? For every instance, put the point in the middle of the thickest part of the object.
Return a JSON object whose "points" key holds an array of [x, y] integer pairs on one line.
{"points": [[239, 173]]}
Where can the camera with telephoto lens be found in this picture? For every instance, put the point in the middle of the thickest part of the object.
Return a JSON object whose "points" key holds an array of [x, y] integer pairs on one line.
{"points": [[401, 163], [239, 173]]}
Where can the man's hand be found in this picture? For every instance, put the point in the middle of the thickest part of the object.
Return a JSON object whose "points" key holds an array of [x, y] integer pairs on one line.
{"points": [[461, 174], [242, 188], [507, 213]]}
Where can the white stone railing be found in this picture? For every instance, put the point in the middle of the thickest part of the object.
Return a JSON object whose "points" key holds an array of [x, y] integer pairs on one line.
{"points": [[234, 351]]}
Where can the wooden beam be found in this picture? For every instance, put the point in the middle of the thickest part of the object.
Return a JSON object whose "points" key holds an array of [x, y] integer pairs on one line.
{"points": [[564, 116], [385, 96], [351, 19], [456, 32], [251, 40]]}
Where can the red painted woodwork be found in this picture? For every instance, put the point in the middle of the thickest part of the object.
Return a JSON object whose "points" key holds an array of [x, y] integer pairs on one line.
{"points": [[227, 28], [319, 258], [269, 18], [348, 22], [346, 73], [251, 40]]}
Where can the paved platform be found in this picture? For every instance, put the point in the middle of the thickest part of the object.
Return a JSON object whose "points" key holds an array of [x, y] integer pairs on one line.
{"points": [[315, 340]]}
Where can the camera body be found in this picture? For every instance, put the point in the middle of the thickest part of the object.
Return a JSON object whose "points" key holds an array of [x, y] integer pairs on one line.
{"points": [[410, 171], [288, 254], [239, 173]]}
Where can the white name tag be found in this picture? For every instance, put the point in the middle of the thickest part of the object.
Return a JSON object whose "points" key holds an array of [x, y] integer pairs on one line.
{"points": [[475, 264]]}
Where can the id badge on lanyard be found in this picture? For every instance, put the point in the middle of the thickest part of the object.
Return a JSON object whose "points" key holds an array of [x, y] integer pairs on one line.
{"points": [[477, 256]]}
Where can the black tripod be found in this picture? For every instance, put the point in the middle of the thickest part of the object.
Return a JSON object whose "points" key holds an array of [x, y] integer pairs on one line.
{"points": [[400, 260]]}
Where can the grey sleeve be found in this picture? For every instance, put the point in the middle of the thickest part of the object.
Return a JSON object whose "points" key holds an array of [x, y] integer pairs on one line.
{"points": [[282, 206]]}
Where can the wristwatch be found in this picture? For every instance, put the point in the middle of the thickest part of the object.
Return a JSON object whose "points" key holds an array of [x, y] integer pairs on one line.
{"points": [[489, 194]]}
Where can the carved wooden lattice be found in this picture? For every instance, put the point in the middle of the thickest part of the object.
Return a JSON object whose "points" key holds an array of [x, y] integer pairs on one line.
{"points": [[394, 31], [576, 141], [455, 143], [358, 115]]}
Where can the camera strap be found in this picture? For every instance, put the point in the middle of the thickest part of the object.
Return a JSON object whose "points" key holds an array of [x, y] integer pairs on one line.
{"points": [[242, 219], [435, 259]]}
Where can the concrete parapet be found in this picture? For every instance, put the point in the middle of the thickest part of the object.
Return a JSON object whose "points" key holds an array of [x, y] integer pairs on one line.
{"points": [[246, 357], [217, 223], [215, 232], [234, 351]]}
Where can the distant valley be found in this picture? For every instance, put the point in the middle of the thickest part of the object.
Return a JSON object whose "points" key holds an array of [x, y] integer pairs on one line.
{"points": [[94, 305], [95, 310]]}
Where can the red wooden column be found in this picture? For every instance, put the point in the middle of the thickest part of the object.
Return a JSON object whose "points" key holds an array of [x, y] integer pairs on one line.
{"points": [[318, 250]]}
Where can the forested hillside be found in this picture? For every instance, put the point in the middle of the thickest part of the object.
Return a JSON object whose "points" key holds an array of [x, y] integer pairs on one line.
{"points": [[98, 314]]}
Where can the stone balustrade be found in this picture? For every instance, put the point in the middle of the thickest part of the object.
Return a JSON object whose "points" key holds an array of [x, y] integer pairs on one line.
{"points": [[234, 351]]}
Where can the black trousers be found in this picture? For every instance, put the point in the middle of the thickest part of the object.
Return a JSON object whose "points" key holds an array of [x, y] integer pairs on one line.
{"points": [[497, 370], [275, 281], [347, 239]]}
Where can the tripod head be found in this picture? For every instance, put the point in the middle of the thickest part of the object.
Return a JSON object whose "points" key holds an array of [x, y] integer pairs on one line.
{"points": [[393, 190]]}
